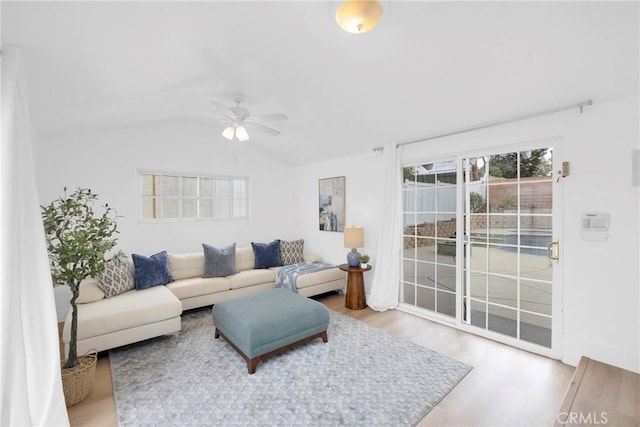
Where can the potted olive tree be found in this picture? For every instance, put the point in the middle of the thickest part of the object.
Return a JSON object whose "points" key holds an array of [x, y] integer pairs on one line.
{"points": [[78, 242]]}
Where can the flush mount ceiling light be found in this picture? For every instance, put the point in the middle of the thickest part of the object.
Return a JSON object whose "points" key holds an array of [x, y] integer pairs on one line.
{"points": [[359, 16]]}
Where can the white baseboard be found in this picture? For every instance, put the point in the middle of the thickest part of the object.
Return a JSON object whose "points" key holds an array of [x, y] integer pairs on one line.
{"points": [[621, 357]]}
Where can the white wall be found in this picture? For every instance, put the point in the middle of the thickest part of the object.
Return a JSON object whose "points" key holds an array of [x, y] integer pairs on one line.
{"points": [[601, 279], [62, 295], [363, 178], [107, 162]]}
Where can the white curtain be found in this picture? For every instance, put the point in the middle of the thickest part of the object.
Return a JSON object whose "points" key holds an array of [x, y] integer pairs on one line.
{"points": [[386, 283], [30, 381]]}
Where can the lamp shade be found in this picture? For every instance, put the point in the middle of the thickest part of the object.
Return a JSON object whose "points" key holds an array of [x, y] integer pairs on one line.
{"points": [[359, 16], [353, 237]]}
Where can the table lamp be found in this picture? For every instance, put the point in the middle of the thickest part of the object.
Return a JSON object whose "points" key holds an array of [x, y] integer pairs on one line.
{"points": [[353, 238]]}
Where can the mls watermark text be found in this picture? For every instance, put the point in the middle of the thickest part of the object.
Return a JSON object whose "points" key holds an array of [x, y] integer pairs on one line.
{"points": [[583, 418]]}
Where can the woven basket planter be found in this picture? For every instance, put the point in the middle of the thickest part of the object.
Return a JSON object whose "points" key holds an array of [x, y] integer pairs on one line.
{"points": [[77, 381]]}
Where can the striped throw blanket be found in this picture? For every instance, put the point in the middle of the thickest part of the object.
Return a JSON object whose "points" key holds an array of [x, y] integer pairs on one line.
{"points": [[287, 275]]}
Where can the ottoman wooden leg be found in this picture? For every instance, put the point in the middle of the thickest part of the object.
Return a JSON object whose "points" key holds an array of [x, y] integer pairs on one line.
{"points": [[252, 364]]}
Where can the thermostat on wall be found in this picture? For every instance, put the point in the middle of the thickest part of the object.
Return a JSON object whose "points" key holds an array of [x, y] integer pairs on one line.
{"points": [[595, 226]]}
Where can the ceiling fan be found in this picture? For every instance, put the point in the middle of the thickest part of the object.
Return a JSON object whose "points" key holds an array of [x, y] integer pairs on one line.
{"points": [[239, 119]]}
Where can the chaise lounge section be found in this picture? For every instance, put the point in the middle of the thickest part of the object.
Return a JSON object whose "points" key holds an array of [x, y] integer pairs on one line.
{"points": [[130, 317]]}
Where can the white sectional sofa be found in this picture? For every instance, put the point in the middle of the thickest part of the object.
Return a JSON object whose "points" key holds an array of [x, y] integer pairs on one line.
{"points": [[136, 315]]}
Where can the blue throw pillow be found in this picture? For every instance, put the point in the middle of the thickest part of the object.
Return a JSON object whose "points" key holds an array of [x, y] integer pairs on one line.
{"points": [[267, 254], [151, 271], [219, 262]]}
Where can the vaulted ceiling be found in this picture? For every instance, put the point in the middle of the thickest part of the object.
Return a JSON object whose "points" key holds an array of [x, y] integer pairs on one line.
{"points": [[429, 67]]}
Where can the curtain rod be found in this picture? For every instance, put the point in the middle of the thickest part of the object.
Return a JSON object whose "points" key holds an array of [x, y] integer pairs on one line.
{"points": [[579, 105]]}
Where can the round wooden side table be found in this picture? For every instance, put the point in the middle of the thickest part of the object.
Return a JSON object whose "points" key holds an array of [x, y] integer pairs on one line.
{"points": [[356, 298]]}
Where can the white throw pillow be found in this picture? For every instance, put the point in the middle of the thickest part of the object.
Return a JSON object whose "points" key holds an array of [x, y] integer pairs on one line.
{"points": [[309, 257], [183, 266], [89, 291], [245, 258]]}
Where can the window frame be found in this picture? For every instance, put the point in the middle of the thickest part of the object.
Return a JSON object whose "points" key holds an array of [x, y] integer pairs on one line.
{"points": [[231, 201]]}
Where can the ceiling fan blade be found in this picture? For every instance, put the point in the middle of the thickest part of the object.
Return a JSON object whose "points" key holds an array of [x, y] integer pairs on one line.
{"points": [[262, 128], [224, 110], [267, 117]]}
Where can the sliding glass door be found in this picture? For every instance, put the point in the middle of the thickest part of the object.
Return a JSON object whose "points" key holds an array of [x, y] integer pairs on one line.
{"points": [[509, 276], [478, 243], [430, 244]]}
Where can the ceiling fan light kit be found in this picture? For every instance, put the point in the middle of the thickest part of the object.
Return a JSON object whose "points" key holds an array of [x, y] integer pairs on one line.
{"points": [[359, 16], [235, 133], [238, 119]]}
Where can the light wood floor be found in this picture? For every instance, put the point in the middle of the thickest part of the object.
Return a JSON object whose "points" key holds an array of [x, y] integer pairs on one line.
{"points": [[507, 387], [601, 394]]}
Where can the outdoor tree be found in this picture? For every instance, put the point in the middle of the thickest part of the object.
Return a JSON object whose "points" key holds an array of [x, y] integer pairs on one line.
{"points": [[536, 164], [533, 164], [477, 202], [504, 165]]}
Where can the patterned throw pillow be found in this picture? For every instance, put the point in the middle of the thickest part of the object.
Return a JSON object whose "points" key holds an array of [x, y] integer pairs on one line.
{"points": [[116, 278], [291, 252]]}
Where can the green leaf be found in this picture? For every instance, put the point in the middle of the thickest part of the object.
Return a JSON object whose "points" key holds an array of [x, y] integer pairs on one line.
{"points": [[78, 242]]}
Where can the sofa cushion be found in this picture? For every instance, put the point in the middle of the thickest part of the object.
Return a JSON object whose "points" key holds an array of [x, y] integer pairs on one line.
{"points": [[186, 265], [219, 261], [308, 257], [128, 310], [267, 254], [291, 252], [245, 258], [322, 276], [197, 286], [247, 278], [117, 277], [151, 271], [89, 291]]}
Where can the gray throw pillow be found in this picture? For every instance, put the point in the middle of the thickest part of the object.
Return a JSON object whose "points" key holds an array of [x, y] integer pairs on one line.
{"points": [[291, 252], [219, 262]]}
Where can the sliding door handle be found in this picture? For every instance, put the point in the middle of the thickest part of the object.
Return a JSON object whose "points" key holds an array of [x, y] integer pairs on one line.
{"points": [[553, 251]]}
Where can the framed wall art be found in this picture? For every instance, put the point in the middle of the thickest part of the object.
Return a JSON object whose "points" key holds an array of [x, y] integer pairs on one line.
{"points": [[332, 201]]}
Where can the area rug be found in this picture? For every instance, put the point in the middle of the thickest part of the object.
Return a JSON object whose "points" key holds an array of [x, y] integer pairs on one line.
{"points": [[361, 377]]}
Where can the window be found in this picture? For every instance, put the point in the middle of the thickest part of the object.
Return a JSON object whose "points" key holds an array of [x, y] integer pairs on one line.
{"points": [[171, 196]]}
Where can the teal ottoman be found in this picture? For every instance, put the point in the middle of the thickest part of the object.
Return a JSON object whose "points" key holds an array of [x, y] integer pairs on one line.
{"points": [[264, 324]]}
